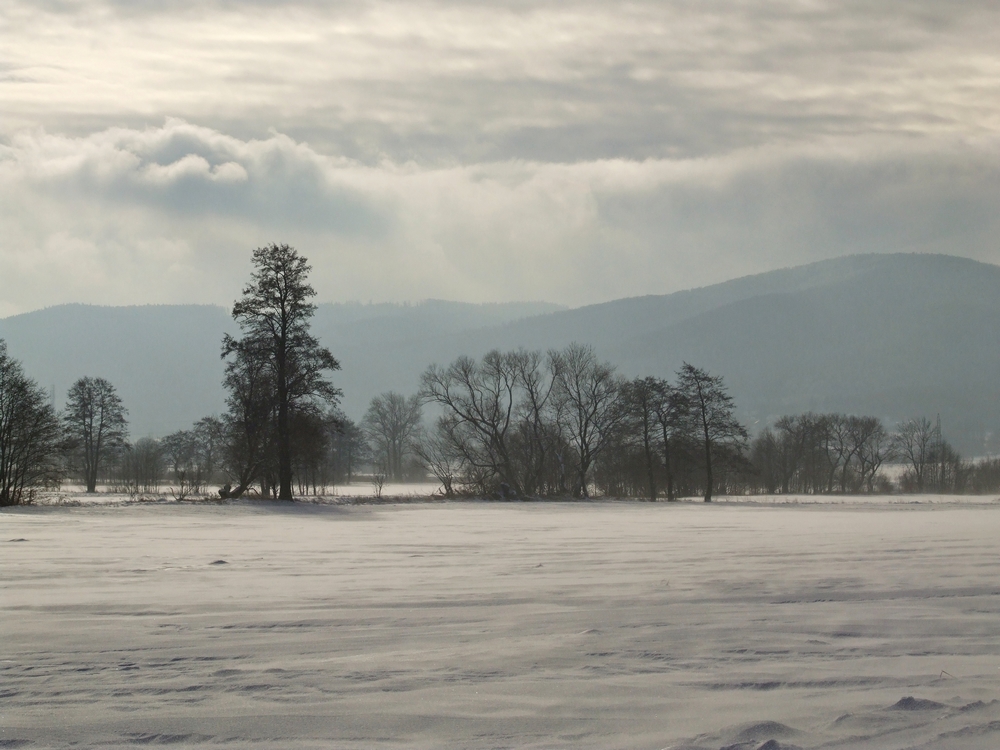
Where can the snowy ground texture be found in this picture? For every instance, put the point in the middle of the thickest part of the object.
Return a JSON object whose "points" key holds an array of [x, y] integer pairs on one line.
{"points": [[488, 625]]}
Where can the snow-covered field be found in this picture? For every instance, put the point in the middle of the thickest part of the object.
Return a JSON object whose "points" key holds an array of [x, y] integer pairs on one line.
{"points": [[365, 492], [485, 625], [75, 494]]}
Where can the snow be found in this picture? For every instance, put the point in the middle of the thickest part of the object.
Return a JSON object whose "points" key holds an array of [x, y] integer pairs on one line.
{"points": [[389, 489], [76, 495], [365, 491], [482, 625]]}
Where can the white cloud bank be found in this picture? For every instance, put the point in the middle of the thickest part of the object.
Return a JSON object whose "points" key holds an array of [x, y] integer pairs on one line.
{"points": [[170, 214], [567, 151]]}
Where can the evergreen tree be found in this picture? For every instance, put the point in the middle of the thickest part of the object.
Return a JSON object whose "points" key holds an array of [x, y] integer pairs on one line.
{"points": [[274, 315]]}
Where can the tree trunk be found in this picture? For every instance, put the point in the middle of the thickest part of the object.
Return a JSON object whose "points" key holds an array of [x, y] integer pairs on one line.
{"points": [[666, 464], [584, 468], [843, 474], [284, 438], [646, 444], [397, 462], [708, 466], [652, 475], [671, 497], [90, 465], [284, 454]]}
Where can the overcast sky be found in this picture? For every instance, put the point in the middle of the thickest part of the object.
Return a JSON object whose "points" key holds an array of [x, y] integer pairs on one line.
{"points": [[562, 151]]}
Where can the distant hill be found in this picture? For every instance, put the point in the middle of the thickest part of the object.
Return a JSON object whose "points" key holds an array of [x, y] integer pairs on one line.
{"points": [[165, 359], [890, 335]]}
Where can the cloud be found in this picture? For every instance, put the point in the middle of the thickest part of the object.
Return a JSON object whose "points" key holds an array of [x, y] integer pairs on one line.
{"points": [[462, 82], [171, 213], [194, 171], [568, 151]]}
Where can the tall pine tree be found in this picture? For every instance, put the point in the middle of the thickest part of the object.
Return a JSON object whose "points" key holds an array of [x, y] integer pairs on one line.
{"points": [[274, 314]]}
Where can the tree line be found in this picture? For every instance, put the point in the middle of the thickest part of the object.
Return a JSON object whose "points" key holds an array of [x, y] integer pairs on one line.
{"points": [[828, 453], [516, 424], [524, 424], [38, 446]]}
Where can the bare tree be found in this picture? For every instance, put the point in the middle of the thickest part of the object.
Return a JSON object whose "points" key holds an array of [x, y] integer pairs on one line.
{"points": [[180, 449], [438, 453], [501, 418], [139, 467], [348, 446], [668, 407], [95, 425], [391, 423], [590, 399], [872, 447], [536, 437], [520, 423], [709, 409], [841, 449], [914, 442], [950, 472], [481, 399], [836, 448], [802, 453], [802, 457], [792, 438], [209, 437], [193, 455], [807, 452], [642, 401], [29, 434], [378, 480], [274, 314], [765, 456]]}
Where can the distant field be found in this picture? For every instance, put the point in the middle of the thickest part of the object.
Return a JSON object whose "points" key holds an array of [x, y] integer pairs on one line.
{"points": [[485, 625], [106, 496], [362, 491]]}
